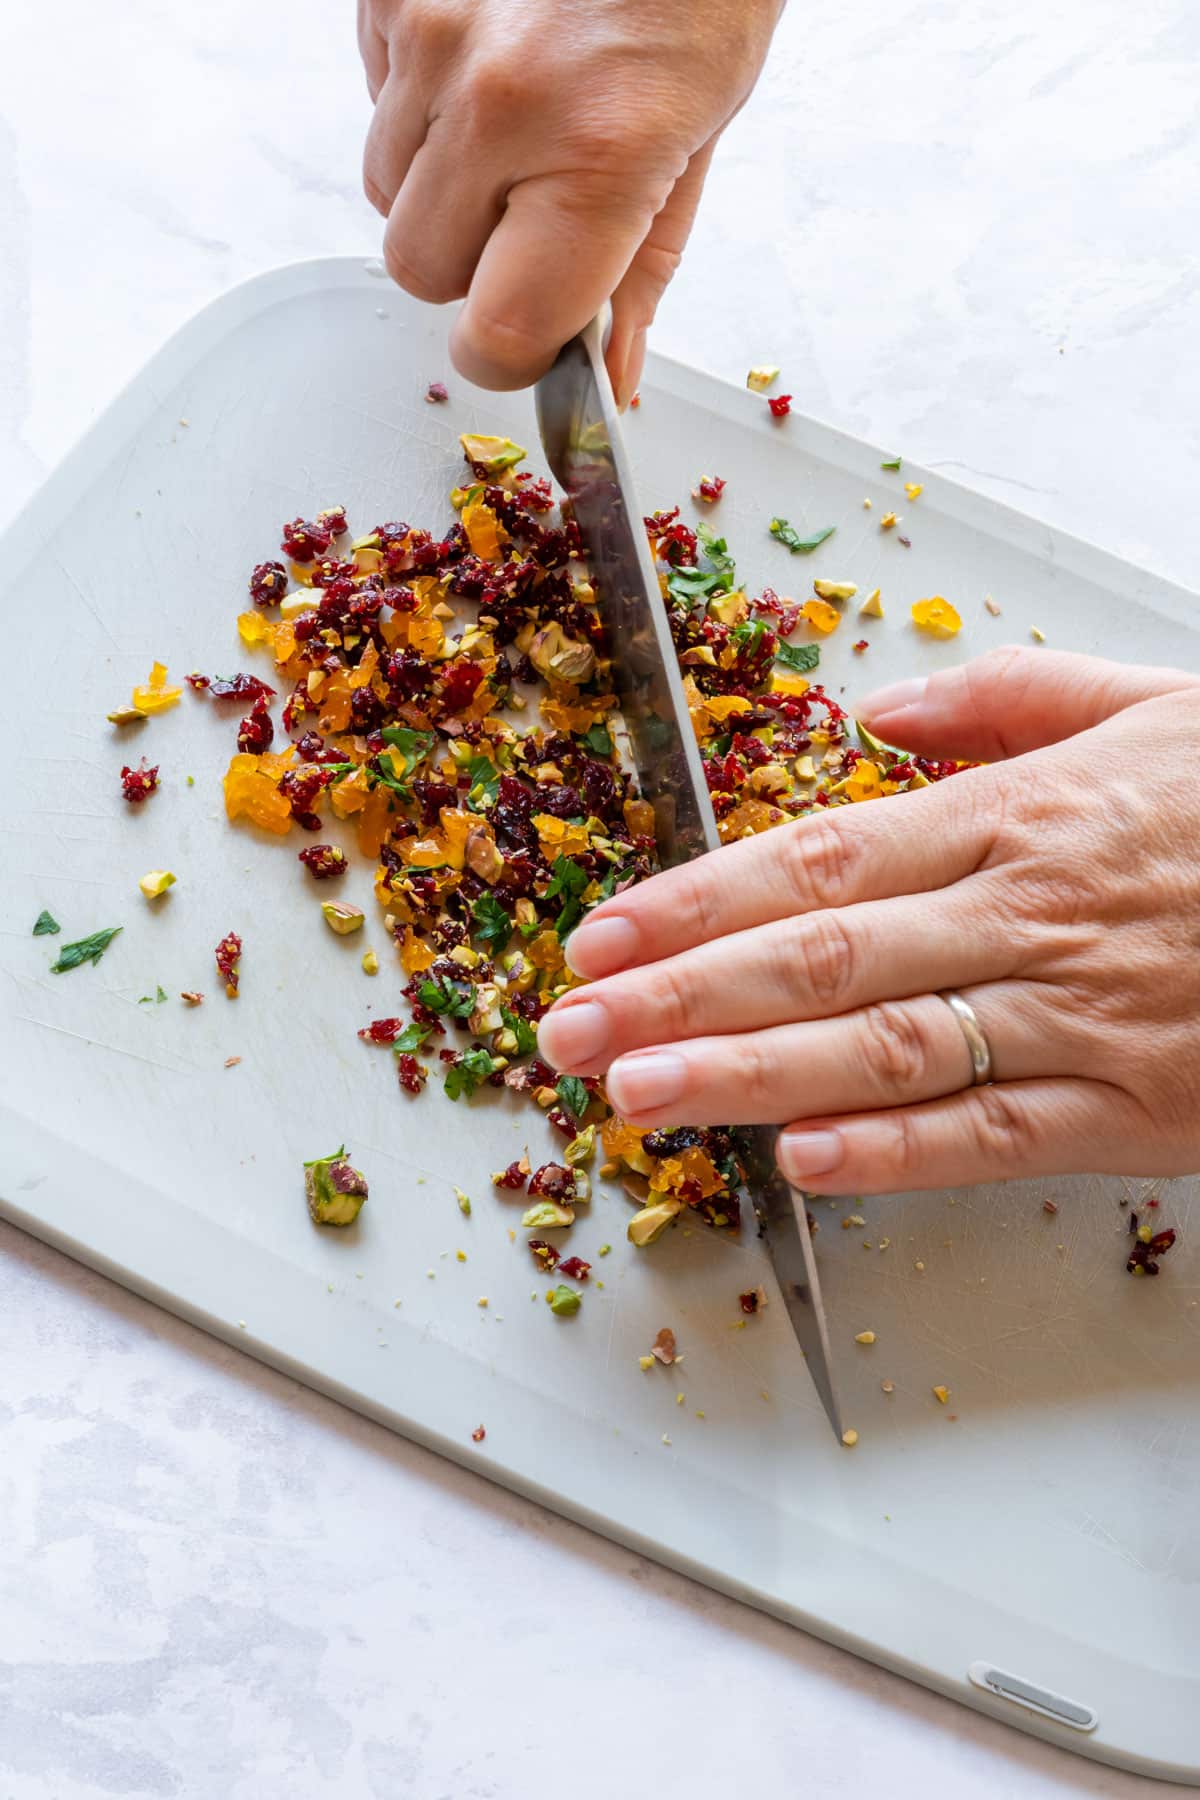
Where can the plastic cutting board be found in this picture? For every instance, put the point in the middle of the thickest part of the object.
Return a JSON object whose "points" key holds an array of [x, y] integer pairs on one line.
{"points": [[1032, 1541]]}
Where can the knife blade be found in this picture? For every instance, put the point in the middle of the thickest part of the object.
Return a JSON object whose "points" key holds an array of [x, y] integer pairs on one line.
{"points": [[582, 438]]}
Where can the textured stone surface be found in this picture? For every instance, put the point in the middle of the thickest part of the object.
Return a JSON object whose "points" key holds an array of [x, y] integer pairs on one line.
{"points": [[966, 231]]}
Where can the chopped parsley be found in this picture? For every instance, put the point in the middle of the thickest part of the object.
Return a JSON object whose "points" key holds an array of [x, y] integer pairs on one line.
{"points": [[788, 535], [441, 995], [88, 949], [465, 1075], [573, 1094], [493, 926], [46, 925], [799, 659]]}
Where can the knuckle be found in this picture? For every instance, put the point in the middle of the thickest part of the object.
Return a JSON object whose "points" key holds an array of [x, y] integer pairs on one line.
{"points": [[825, 960], [819, 862], [898, 1050], [901, 1149], [430, 29], [759, 1075], [666, 1004], [1001, 1130]]}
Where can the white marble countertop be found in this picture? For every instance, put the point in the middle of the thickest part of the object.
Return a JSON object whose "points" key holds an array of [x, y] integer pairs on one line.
{"points": [[966, 230]]}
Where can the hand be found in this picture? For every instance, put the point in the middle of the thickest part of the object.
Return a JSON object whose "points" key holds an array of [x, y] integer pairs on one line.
{"points": [[544, 156], [794, 977]]}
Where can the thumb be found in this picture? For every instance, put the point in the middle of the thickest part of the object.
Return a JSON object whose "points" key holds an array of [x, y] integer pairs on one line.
{"points": [[1010, 701]]}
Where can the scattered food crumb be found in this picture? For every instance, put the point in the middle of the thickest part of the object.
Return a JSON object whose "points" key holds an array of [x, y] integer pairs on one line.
{"points": [[852, 1219], [889, 1387], [941, 1394], [482, 1300], [919, 1267], [663, 1347], [436, 393], [645, 1362], [850, 1437], [888, 522], [679, 1399], [992, 606], [192, 997], [761, 376], [1037, 634], [864, 1337], [1049, 1206], [478, 1435], [231, 1062], [464, 1203], [914, 489], [666, 1440], [370, 963]]}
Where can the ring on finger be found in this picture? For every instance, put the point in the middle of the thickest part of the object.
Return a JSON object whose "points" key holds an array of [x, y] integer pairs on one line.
{"points": [[974, 1036]]}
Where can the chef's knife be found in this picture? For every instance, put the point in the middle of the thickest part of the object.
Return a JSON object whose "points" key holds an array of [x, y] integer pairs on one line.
{"points": [[581, 436]]}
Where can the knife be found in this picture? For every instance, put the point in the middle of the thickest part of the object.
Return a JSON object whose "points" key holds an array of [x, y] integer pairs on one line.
{"points": [[581, 436]]}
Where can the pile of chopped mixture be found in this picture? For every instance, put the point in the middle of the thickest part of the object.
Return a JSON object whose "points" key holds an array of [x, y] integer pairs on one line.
{"points": [[450, 708]]}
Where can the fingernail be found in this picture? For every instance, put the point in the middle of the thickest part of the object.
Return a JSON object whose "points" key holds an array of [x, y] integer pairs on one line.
{"points": [[892, 699], [572, 1037], [601, 947], [801, 1153], [646, 1080]]}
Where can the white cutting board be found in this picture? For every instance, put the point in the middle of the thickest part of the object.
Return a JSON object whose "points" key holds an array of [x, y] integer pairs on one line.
{"points": [[1042, 1523]]}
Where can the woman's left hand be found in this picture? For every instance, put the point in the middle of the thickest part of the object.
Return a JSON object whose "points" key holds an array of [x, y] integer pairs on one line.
{"points": [[795, 977]]}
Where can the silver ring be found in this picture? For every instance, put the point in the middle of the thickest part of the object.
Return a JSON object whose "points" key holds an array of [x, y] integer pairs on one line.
{"points": [[976, 1037]]}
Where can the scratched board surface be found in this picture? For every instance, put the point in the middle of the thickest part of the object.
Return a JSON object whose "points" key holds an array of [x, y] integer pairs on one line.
{"points": [[1040, 1520]]}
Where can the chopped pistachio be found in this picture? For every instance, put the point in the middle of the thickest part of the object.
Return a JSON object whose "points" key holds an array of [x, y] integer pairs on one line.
{"points": [[459, 1255], [941, 1394], [564, 1301], [864, 1337], [604, 1250], [872, 606], [850, 1437], [341, 917], [645, 1362], [336, 1192], [867, 505], [293, 605], [561, 658], [648, 1225], [889, 1387], [835, 590], [464, 1202], [761, 376], [126, 715], [1038, 636], [370, 963], [547, 1215], [493, 454], [156, 882], [482, 1300], [991, 606], [888, 520]]}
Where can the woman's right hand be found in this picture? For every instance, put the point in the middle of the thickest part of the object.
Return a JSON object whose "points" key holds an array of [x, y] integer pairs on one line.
{"points": [[544, 156]]}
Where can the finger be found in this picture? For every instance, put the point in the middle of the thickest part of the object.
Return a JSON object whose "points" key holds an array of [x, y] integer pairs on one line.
{"points": [[1010, 701], [558, 253], [394, 136], [640, 289], [441, 218], [895, 1054], [915, 843], [999, 1133], [372, 47], [813, 966]]}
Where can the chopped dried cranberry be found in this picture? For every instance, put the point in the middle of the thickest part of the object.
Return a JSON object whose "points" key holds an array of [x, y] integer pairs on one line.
{"points": [[480, 1431], [228, 952], [302, 540], [514, 1177], [137, 784], [710, 488], [780, 405], [198, 681], [256, 730], [459, 685], [381, 1031], [323, 861], [544, 1254], [436, 392], [553, 1181], [412, 1077], [333, 520], [268, 583], [574, 1268], [749, 1301], [862, 645], [560, 1118], [239, 687], [671, 1143]]}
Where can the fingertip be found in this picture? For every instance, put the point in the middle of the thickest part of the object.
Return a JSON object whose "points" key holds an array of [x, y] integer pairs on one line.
{"points": [[602, 947], [495, 354]]}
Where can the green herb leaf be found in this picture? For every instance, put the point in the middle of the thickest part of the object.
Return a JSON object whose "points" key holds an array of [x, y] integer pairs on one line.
{"points": [[691, 584], [445, 996], [522, 1030], [608, 886], [493, 926], [789, 536], [412, 746], [88, 949], [155, 999], [801, 659], [564, 1301], [46, 925], [566, 877], [411, 1039], [573, 1094], [597, 739], [749, 634], [336, 1156], [465, 1075], [893, 462], [716, 549], [486, 777]]}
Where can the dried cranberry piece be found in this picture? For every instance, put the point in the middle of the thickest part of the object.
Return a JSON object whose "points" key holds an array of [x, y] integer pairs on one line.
{"points": [[240, 687], [268, 583], [710, 488], [459, 685], [333, 520], [749, 1301], [256, 731], [553, 1181], [303, 540], [227, 953], [323, 861], [138, 784], [409, 1072], [198, 681], [437, 392], [544, 1254], [574, 1268], [780, 405], [514, 1177], [381, 1031], [561, 1119]]}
